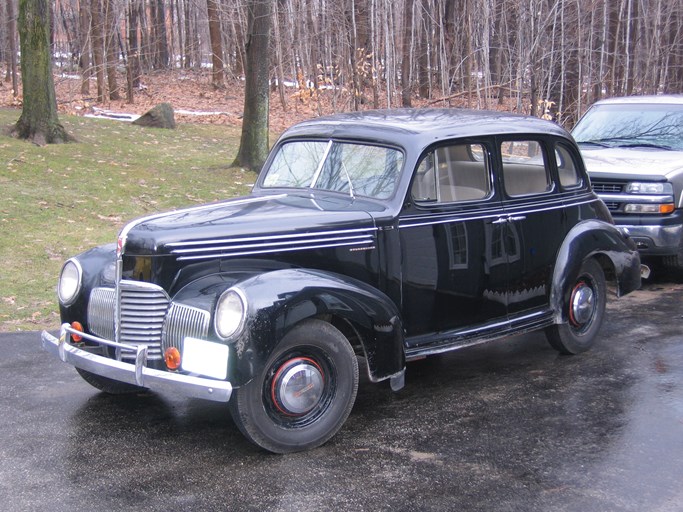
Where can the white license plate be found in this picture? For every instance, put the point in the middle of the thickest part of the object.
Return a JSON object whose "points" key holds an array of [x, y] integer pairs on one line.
{"points": [[205, 358]]}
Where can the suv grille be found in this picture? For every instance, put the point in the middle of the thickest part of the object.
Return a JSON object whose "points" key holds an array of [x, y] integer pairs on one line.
{"points": [[612, 188], [604, 187]]}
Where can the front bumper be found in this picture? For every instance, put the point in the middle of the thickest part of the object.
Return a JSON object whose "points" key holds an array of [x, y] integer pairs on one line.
{"points": [[655, 240], [137, 374]]}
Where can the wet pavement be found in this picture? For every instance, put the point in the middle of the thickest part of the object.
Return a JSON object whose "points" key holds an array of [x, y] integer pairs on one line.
{"points": [[507, 426]]}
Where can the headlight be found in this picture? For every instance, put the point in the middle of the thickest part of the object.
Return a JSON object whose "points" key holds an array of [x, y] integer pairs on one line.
{"points": [[229, 314], [69, 282], [649, 208], [652, 188]]}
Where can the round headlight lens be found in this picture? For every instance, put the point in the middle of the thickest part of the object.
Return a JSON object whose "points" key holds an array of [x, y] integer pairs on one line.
{"points": [[69, 282], [230, 311]]}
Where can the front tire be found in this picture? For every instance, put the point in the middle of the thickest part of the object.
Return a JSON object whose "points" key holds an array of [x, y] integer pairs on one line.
{"points": [[303, 395], [585, 310]]}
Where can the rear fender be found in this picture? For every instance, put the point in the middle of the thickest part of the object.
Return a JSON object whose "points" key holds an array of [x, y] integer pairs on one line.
{"points": [[593, 239]]}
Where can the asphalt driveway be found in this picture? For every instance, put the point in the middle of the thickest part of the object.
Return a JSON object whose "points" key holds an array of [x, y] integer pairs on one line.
{"points": [[506, 426]]}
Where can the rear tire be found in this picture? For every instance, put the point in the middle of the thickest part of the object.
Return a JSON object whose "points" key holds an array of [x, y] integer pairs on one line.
{"points": [[304, 393], [585, 310], [110, 386], [674, 263]]}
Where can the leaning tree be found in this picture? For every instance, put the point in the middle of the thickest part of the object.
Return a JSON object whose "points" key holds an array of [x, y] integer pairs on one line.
{"points": [[38, 121]]}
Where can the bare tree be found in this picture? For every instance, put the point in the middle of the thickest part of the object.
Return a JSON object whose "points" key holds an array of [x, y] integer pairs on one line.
{"points": [[12, 44], [254, 141], [216, 44]]}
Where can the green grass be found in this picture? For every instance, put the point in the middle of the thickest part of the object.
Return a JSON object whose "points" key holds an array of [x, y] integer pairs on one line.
{"points": [[58, 200]]}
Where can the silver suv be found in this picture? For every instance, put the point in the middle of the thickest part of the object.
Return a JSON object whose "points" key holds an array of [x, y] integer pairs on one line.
{"points": [[633, 150]]}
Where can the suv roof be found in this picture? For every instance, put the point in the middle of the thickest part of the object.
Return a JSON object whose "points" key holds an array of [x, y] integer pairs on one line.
{"points": [[663, 99]]}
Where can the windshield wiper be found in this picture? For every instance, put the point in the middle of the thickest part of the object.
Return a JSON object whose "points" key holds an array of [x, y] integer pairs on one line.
{"points": [[644, 145], [593, 143]]}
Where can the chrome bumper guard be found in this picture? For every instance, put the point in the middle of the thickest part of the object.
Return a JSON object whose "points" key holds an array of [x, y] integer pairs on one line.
{"points": [[137, 374]]}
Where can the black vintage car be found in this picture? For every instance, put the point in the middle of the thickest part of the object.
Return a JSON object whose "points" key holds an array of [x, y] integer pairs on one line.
{"points": [[380, 237]]}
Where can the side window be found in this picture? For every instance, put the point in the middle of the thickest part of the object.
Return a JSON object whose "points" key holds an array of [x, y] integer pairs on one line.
{"points": [[525, 170], [566, 167], [452, 174]]}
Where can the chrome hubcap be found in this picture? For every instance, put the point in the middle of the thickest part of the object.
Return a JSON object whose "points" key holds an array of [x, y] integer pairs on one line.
{"points": [[582, 304], [298, 386]]}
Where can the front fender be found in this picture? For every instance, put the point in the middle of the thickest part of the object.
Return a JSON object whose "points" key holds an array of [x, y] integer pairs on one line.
{"points": [[279, 300], [593, 238]]}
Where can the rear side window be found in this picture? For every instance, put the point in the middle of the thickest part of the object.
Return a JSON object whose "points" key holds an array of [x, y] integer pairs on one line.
{"points": [[566, 167], [453, 174], [525, 169]]}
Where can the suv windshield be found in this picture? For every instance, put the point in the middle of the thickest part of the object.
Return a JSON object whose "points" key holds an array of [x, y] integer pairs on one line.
{"points": [[350, 168], [632, 125]]}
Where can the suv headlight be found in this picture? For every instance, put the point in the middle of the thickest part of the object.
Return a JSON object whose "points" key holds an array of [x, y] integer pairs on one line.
{"points": [[230, 313], [660, 198], [649, 188], [69, 282]]}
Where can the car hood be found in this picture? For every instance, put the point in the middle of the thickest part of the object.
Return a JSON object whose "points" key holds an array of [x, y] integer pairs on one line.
{"points": [[632, 162], [252, 225]]}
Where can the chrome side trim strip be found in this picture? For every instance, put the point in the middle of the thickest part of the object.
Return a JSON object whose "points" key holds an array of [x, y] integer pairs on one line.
{"points": [[215, 253], [412, 222], [367, 230], [248, 246]]}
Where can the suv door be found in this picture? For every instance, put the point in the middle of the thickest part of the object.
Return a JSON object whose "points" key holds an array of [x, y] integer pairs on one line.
{"points": [[454, 265], [536, 223]]}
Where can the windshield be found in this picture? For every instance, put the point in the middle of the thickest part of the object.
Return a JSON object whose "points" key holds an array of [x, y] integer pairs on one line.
{"points": [[653, 125], [350, 168]]}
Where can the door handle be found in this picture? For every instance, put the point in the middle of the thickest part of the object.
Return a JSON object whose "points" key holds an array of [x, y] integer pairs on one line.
{"points": [[515, 218]]}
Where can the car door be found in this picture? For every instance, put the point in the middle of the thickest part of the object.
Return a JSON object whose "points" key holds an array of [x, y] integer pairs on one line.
{"points": [[453, 257], [536, 223]]}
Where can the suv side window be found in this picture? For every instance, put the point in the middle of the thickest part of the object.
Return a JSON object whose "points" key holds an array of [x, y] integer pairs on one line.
{"points": [[566, 167], [525, 170], [452, 174]]}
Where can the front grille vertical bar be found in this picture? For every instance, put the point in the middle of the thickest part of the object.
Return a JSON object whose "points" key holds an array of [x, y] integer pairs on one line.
{"points": [[117, 305]]}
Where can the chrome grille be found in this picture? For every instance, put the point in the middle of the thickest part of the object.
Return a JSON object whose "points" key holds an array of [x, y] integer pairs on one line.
{"points": [[143, 309], [101, 310], [183, 321]]}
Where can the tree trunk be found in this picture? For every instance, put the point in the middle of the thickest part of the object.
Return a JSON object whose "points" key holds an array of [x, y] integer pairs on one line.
{"points": [[84, 23], [38, 121], [254, 142], [98, 47], [406, 51], [111, 30], [12, 36], [217, 75], [134, 70]]}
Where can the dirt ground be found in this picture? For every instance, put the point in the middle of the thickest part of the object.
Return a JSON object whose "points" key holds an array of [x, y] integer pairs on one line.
{"points": [[195, 100]]}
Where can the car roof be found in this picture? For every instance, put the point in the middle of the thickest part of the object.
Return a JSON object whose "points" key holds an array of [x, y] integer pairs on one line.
{"points": [[421, 126], [661, 99]]}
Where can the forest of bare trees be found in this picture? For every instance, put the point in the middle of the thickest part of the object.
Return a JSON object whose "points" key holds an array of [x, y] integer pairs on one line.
{"points": [[541, 57]]}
